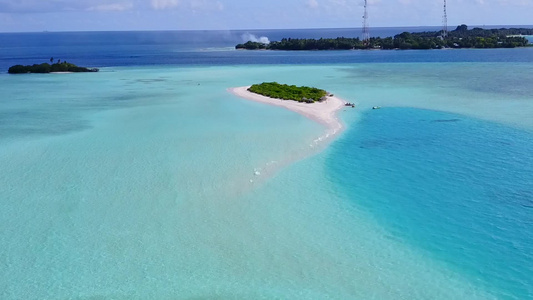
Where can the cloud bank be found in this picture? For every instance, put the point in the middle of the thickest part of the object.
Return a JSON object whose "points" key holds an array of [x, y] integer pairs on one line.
{"points": [[112, 7], [45, 6], [165, 4]]}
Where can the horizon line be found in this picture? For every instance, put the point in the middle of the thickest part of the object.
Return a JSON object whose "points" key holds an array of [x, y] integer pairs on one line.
{"points": [[257, 29]]}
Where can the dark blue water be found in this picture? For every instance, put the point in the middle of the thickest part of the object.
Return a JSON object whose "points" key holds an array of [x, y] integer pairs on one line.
{"points": [[105, 49], [460, 188]]}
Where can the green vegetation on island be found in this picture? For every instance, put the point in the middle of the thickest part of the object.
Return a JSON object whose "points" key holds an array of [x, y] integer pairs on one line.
{"points": [[289, 92], [461, 37], [49, 68]]}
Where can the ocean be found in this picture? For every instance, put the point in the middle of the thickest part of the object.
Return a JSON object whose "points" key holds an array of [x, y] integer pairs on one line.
{"points": [[149, 180]]}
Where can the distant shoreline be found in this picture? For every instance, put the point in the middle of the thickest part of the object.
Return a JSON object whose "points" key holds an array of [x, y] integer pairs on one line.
{"points": [[460, 38]]}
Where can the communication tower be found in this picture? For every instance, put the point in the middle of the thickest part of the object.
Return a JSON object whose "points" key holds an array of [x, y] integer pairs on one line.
{"points": [[445, 22], [366, 33]]}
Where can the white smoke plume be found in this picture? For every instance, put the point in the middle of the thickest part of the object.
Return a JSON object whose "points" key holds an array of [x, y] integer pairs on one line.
{"points": [[251, 37]]}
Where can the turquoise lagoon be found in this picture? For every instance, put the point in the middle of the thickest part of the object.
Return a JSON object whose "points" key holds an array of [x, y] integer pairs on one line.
{"points": [[154, 182]]}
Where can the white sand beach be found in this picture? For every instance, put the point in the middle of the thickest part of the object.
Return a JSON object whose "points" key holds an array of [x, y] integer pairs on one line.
{"points": [[324, 112]]}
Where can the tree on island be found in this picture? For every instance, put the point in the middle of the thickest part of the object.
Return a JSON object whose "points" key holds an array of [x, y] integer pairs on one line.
{"points": [[461, 28], [289, 92], [47, 68]]}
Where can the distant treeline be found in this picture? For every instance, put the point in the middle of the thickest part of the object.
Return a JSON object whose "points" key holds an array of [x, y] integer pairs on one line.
{"points": [[461, 37], [49, 68]]}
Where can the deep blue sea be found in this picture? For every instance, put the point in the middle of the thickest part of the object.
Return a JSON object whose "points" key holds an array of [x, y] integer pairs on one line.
{"points": [[148, 180], [459, 188], [102, 49]]}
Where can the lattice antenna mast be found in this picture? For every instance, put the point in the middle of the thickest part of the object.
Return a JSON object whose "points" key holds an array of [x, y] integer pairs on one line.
{"points": [[366, 33], [445, 21]]}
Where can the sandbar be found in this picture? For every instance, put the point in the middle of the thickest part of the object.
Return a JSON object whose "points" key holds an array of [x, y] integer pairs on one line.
{"points": [[324, 112]]}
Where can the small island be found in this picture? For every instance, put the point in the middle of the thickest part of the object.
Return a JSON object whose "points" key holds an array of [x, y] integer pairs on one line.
{"points": [[461, 37], [289, 92], [313, 103], [58, 67]]}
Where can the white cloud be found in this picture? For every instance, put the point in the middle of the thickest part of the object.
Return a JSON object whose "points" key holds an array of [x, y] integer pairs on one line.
{"points": [[37, 6], [312, 4], [165, 4], [112, 7], [516, 2], [405, 2], [194, 5], [205, 5], [344, 7], [497, 2]]}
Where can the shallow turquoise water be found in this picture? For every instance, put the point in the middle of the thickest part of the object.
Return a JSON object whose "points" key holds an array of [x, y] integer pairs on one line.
{"points": [[139, 183]]}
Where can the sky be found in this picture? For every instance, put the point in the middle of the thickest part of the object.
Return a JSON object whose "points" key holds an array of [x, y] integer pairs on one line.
{"points": [[120, 15]]}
